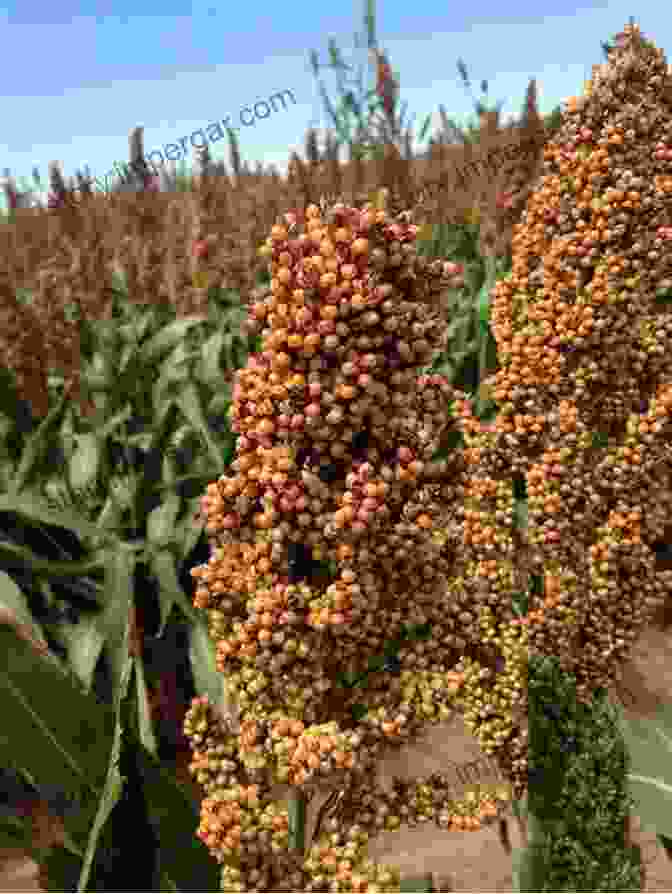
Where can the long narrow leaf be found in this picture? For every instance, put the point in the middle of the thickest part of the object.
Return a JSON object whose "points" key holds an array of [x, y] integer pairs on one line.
{"points": [[113, 623], [649, 743], [145, 725], [162, 565], [49, 744], [110, 797], [36, 445], [297, 821], [114, 783], [184, 860], [35, 508], [207, 680], [189, 403]]}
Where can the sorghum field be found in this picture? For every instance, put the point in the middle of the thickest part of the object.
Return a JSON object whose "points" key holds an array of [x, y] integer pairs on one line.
{"points": [[335, 509]]}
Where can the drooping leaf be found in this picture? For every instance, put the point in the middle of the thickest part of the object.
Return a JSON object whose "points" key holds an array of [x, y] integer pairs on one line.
{"points": [[12, 551], [52, 731], [162, 565], [202, 654], [114, 782], [649, 743], [110, 797], [184, 860], [36, 509]]}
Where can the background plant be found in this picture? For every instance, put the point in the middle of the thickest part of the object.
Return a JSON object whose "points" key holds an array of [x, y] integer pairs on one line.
{"points": [[578, 805]]}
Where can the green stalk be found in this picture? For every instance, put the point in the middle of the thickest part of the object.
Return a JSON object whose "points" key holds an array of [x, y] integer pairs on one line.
{"points": [[297, 821]]}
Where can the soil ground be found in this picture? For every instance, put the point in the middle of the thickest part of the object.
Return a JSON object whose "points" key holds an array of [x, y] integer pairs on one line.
{"points": [[470, 861]]}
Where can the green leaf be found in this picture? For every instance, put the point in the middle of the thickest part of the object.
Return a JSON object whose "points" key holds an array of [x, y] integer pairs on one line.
{"points": [[145, 725], [451, 441], [189, 403], [649, 743], [113, 622], [484, 306], [202, 654], [13, 599], [418, 631], [114, 782], [211, 353], [52, 731], [53, 569], [348, 678], [342, 124], [61, 869], [521, 513], [166, 340], [162, 565], [15, 833], [520, 604], [358, 711], [376, 663], [112, 792], [189, 530], [524, 862], [416, 884], [297, 821], [663, 295], [85, 461], [35, 446], [111, 514], [173, 813], [425, 127], [600, 439], [115, 422], [84, 643], [161, 521], [36, 509]]}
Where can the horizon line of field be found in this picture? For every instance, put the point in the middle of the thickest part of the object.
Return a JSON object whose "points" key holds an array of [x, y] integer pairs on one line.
{"points": [[218, 134]]}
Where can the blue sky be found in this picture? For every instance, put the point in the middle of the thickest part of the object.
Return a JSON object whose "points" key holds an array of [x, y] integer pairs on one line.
{"points": [[77, 76]]}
